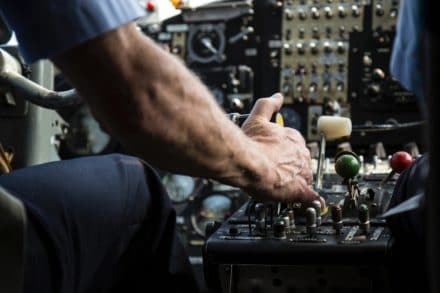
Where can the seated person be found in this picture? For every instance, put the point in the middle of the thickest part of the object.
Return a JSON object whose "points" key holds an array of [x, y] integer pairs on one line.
{"points": [[409, 265], [406, 66], [105, 224]]}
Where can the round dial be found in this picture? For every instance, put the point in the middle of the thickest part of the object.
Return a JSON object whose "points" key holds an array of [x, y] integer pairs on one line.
{"points": [[179, 187], [291, 118], [214, 207], [206, 43]]}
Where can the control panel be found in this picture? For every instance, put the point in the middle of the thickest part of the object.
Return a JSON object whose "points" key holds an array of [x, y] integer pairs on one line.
{"points": [[333, 58], [290, 247], [315, 48]]}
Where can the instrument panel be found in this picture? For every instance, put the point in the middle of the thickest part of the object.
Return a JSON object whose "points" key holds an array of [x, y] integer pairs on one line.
{"points": [[197, 202], [326, 57], [219, 44]]}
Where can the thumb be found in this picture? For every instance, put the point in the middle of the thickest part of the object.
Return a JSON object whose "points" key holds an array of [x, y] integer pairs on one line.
{"points": [[266, 107]]}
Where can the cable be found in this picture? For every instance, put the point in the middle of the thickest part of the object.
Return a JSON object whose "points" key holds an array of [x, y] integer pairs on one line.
{"points": [[37, 94], [386, 126]]}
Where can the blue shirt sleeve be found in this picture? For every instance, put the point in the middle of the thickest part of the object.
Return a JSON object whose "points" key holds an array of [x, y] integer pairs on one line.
{"points": [[45, 28], [406, 59]]}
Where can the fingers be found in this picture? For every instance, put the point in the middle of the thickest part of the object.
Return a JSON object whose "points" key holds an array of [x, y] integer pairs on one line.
{"points": [[307, 195], [323, 204], [266, 107]]}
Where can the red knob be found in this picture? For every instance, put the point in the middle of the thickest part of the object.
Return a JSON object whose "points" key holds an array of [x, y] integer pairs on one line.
{"points": [[150, 5], [400, 160]]}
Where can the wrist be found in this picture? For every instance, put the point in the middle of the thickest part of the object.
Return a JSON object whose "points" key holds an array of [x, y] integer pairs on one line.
{"points": [[257, 172]]}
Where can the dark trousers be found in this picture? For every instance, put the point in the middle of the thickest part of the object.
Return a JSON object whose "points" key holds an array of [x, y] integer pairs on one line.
{"points": [[99, 224]]}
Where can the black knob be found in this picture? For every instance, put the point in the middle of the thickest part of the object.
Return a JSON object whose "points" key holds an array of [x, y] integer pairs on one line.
{"points": [[378, 74], [287, 49], [364, 218], [341, 48], [379, 10], [313, 48], [315, 13], [279, 228], [300, 48], [259, 211], [302, 15], [373, 90], [336, 214], [289, 14], [327, 47], [355, 11], [341, 11], [328, 12], [291, 215], [364, 215]]}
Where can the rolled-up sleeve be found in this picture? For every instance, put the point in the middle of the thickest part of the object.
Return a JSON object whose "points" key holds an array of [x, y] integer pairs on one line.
{"points": [[45, 28]]}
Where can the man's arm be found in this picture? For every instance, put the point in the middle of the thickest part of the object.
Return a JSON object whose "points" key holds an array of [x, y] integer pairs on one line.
{"points": [[150, 102]]}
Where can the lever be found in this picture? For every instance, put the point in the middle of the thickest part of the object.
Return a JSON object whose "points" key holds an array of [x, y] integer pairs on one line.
{"points": [[329, 128], [239, 119]]}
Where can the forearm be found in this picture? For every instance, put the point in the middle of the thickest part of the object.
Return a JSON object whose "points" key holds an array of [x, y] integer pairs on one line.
{"points": [[151, 103]]}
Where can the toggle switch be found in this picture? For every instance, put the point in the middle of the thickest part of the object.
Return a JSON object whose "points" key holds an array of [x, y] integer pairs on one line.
{"points": [[364, 219], [311, 221], [279, 229], [260, 217], [336, 214], [316, 204], [291, 215]]}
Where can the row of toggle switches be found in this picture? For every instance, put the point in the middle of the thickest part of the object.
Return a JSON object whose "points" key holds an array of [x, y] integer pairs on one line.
{"points": [[326, 12], [315, 48], [284, 224]]}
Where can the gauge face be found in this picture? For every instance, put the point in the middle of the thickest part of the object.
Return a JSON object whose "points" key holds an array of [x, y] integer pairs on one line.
{"points": [[206, 43], [85, 136], [291, 118], [179, 187], [215, 207]]}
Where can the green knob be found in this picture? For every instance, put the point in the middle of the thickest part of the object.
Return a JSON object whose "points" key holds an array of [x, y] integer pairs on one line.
{"points": [[347, 166]]}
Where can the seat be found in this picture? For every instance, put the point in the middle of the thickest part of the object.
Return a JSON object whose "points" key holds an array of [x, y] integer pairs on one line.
{"points": [[12, 237]]}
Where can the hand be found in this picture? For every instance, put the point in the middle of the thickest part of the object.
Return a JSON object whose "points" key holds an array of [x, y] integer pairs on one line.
{"points": [[288, 175]]}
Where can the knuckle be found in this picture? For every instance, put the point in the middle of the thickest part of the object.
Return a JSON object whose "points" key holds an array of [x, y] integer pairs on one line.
{"points": [[278, 95], [296, 135], [307, 175], [292, 131]]}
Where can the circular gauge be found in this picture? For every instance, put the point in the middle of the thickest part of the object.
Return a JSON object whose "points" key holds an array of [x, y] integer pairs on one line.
{"points": [[179, 187], [84, 135], [214, 207], [206, 43], [291, 118]]}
